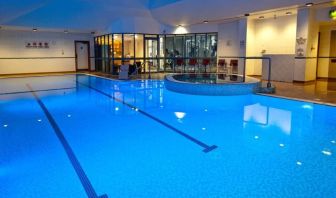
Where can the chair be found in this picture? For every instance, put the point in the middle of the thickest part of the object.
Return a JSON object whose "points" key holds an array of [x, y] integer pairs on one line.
{"points": [[138, 67], [222, 66], [234, 66], [123, 73], [180, 62], [205, 63], [132, 69], [192, 63]]}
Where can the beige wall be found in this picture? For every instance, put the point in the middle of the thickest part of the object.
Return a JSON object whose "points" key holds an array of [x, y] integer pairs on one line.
{"points": [[276, 36], [273, 36], [323, 64], [12, 45]]}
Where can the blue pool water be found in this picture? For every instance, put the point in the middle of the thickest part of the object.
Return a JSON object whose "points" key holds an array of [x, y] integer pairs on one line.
{"points": [[80, 136]]}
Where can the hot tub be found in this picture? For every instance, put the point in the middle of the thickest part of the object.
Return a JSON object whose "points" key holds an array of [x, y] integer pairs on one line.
{"points": [[211, 84]]}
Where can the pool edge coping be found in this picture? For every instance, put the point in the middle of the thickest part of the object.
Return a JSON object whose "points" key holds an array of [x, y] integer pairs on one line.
{"points": [[298, 99]]}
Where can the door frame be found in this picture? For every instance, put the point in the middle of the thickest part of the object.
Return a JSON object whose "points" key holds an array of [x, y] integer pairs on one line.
{"points": [[157, 50], [89, 59]]}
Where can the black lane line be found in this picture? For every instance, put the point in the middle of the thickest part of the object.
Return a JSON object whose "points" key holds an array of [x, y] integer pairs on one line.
{"points": [[39, 90], [206, 148], [90, 192]]}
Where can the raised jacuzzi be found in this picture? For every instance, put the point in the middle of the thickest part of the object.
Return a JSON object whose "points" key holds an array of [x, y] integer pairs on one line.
{"points": [[211, 84]]}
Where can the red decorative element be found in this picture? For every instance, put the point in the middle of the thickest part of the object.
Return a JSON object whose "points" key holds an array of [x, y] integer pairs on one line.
{"points": [[206, 61], [193, 61], [179, 61]]}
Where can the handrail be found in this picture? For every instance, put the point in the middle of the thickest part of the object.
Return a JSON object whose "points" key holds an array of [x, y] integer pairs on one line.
{"points": [[315, 57], [24, 58], [13, 58], [254, 58]]}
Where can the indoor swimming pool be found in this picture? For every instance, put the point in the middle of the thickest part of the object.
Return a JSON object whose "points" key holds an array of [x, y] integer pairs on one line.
{"points": [[86, 136]]}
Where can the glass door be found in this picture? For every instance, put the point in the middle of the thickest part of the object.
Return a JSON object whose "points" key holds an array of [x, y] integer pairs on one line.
{"points": [[151, 54]]}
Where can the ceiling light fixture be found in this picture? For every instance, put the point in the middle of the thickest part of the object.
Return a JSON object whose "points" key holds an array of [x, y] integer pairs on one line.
{"points": [[34, 29], [205, 21], [309, 4]]}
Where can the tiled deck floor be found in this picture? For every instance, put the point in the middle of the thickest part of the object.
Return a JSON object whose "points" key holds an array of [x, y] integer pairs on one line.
{"points": [[320, 91]]}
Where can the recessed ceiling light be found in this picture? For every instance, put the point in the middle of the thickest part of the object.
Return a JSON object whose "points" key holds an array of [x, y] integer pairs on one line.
{"points": [[309, 4], [34, 29], [288, 13], [205, 21]]}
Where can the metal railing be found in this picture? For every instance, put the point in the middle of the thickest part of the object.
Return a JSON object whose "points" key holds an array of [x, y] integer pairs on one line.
{"points": [[252, 58], [160, 64]]}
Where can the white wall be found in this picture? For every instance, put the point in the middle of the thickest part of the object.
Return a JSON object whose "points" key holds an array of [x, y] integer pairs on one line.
{"points": [[307, 28], [228, 39], [135, 24], [12, 45], [198, 28]]}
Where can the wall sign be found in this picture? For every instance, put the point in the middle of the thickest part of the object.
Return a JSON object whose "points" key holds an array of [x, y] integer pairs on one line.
{"points": [[38, 44]]}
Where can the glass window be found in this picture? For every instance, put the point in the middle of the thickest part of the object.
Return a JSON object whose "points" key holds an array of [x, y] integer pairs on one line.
{"points": [[190, 45], [129, 46], [110, 43], [200, 45], [162, 46], [212, 45], [179, 46], [169, 51], [139, 48], [98, 54], [104, 53], [161, 50], [117, 45]]}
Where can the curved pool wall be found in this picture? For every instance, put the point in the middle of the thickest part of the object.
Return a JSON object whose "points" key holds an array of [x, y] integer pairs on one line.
{"points": [[251, 85]]}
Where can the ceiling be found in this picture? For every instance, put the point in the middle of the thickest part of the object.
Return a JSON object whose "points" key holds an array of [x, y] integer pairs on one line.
{"points": [[98, 15]]}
